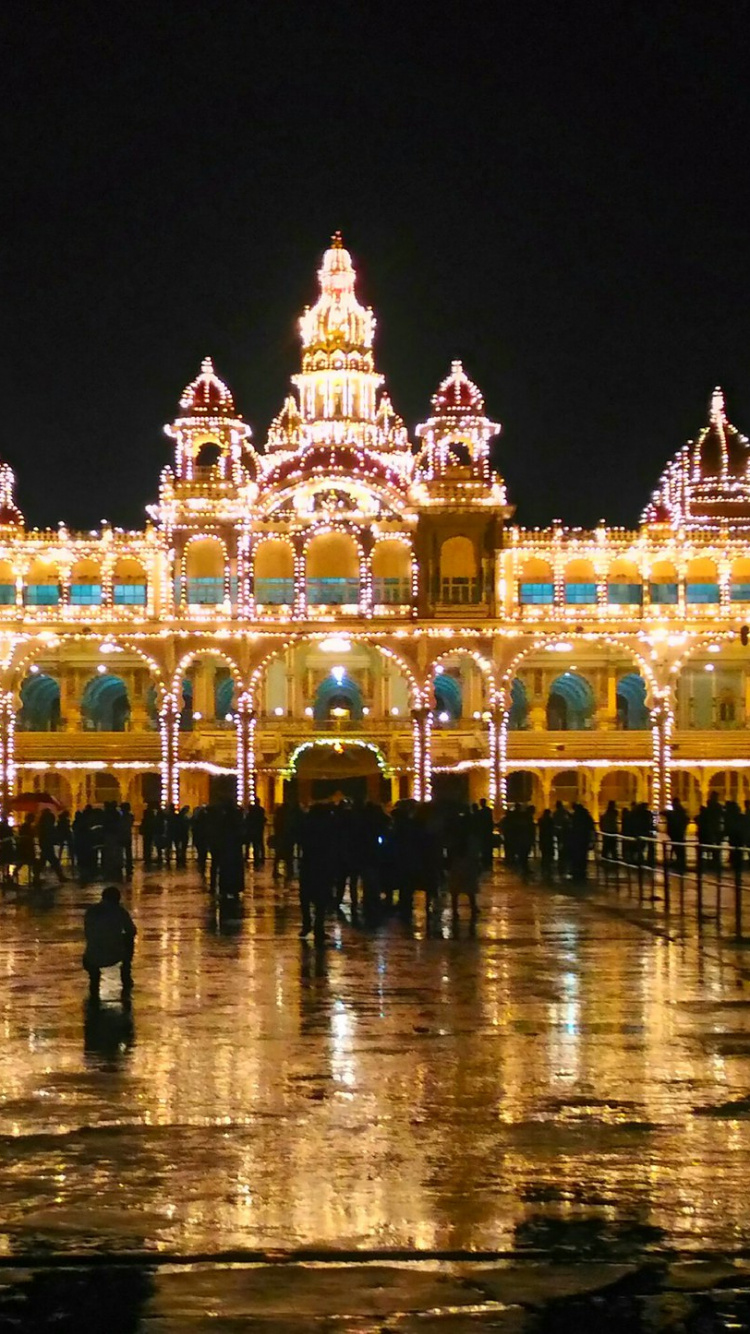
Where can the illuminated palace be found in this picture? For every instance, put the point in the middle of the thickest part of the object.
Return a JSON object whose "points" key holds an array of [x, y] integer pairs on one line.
{"points": [[352, 609]]}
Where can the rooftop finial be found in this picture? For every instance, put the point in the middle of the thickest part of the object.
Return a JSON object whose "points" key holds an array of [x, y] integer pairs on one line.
{"points": [[718, 408], [337, 241], [207, 366]]}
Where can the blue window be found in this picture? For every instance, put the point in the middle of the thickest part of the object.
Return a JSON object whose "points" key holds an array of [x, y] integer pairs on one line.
{"points": [[42, 595], [702, 592], [233, 587], [205, 592], [664, 595], [85, 595], [390, 592], [7, 595], [625, 595], [740, 592], [129, 595], [580, 593], [332, 592], [274, 592], [534, 594]]}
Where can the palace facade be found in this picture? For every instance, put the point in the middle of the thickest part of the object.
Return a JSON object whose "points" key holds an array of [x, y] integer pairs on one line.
{"points": [[351, 608]]}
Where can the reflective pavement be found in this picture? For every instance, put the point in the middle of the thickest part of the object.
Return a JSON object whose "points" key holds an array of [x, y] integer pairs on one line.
{"points": [[567, 1084]]}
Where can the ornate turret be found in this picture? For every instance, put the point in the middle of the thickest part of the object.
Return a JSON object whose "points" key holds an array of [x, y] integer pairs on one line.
{"points": [[209, 434], [707, 484], [10, 514], [457, 436]]}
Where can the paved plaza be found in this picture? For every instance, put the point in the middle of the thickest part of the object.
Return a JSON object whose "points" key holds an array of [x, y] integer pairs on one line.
{"points": [[569, 1086]]}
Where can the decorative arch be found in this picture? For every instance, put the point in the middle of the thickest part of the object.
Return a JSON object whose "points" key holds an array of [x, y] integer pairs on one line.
{"points": [[7, 584], [333, 563], [105, 704], [43, 584], [205, 570], [207, 651], [624, 583], [129, 582], [570, 703], [663, 583], [273, 572], [85, 586], [40, 703], [632, 712], [536, 583], [458, 570], [339, 692], [448, 695], [702, 581], [580, 583], [519, 705], [391, 567], [417, 694]]}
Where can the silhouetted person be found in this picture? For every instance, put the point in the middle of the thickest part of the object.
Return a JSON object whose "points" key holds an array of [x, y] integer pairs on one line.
{"points": [[45, 832], [486, 831], [608, 825], [148, 835], [255, 826], [126, 838], [110, 938], [546, 836], [677, 824], [231, 868]]}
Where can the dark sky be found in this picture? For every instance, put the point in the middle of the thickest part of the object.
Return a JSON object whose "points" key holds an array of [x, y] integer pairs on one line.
{"points": [[555, 193]]}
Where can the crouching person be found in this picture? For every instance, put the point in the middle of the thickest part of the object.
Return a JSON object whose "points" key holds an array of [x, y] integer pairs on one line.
{"points": [[110, 938]]}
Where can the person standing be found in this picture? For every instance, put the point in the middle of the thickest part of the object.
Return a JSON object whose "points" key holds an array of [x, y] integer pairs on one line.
{"points": [[110, 939], [126, 837], [46, 835]]}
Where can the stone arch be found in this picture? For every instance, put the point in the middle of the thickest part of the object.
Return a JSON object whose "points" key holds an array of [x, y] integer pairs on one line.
{"points": [[51, 781], [391, 567], [632, 712], [570, 703], [7, 584], [85, 583], [448, 696], [620, 786], [205, 570], [129, 582], [686, 786], [105, 703], [273, 572], [536, 582], [663, 583], [702, 580], [416, 694], [40, 703], [624, 583], [337, 695], [42, 584], [459, 570], [207, 651], [518, 711], [580, 582], [333, 560]]}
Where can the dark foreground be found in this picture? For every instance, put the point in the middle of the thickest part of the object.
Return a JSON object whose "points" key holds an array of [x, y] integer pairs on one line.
{"points": [[565, 1094]]}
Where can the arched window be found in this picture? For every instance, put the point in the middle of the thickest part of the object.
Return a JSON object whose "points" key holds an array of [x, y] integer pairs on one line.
{"points": [[580, 583], [204, 566], [40, 704], [332, 571], [632, 714], [726, 709], [129, 583], [7, 584], [224, 690], [702, 581], [458, 571], [391, 574], [537, 583], [42, 585], [663, 584], [105, 705], [624, 585], [740, 583], [337, 697], [207, 457], [85, 584], [448, 696], [273, 568], [570, 704]]}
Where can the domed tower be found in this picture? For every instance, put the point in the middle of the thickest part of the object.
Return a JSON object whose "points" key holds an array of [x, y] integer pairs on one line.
{"points": [[462, 505], [707, 483], [210, 436], [338, 384]]}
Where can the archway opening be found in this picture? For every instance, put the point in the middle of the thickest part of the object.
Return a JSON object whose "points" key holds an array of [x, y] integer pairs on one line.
{"points": [[273, 574], [86, 584], [570, 704], [129, 583], [337, 697], [40, 704], [391, 574], [205, 561], [326, 773], [332, 568], [448, 697], [458, 571], [632, 713], [518, 714], [105, 704]]}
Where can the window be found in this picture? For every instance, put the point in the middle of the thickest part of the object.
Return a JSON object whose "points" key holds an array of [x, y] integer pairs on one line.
{"points": [[205, 592], [129, 595], [7, 595], [459, 589], [578, 594], [740, 592], [534, 594], [42, 595], [332, 592], [85, 595], [702, 592], [625, 595], [274, 592], [663, 595], [392, 591]]}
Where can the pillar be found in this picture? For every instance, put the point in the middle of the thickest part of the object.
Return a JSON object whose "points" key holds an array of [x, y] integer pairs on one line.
{"points": [[204, 689], [169, 724], [498, 784], [421, 719], [300, 577], [245, 722], [661, 735], [7, 749]]}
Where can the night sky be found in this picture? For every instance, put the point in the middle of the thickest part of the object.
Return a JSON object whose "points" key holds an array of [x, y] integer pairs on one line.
{"points": [[555, 193]]}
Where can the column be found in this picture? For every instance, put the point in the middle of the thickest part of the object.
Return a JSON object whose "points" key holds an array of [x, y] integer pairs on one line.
{"points": [[7, 749], [498, 784], [204, 689], [169, 724], [365, 574], [661, 735], [300, 577], [245, 722], [421, 719]]}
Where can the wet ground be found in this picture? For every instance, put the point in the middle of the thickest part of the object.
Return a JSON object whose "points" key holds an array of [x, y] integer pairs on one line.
{"points": [[564, 1095]]}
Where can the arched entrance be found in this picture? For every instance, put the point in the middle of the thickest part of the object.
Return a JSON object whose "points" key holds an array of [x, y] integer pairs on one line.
{"points": [[323, 771]]}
